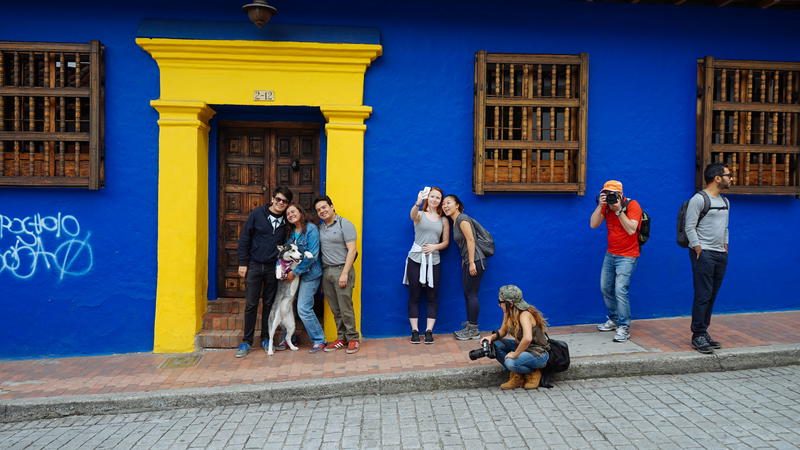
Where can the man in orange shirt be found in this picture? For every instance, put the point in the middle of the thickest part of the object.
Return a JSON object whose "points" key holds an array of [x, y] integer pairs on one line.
{"points": [[622, 217]]}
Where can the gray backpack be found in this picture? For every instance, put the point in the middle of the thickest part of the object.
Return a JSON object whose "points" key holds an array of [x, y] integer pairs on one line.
{"points": [[483, 239]]}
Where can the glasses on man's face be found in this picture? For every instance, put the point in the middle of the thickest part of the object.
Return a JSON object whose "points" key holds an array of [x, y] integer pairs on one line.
{"points": [[729, 175], [281, 200]]}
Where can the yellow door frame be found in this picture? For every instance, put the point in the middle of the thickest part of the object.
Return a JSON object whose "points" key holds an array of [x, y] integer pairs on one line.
{"points": [[197, 73]]}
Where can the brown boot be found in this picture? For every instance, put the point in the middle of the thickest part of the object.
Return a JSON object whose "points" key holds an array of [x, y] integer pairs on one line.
{"points": [[515, 380], [532, 379]]}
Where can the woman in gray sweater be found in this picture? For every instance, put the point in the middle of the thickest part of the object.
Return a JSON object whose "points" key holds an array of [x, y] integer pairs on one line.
{"points": [[473, 264]]}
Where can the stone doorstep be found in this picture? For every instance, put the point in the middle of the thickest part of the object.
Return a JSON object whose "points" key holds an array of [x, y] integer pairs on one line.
{"points": [[228, 305], [230, 339], [223, 323]]}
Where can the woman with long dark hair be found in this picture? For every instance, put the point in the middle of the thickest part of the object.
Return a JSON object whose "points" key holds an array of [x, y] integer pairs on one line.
{"points": [[473, 264], [306, 236], [431, 234], [520, 344]]}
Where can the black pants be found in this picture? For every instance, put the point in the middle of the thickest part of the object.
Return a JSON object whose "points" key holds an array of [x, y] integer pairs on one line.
{"points": [[415, 289], [471, 287], [261, 283], [707, 271]]}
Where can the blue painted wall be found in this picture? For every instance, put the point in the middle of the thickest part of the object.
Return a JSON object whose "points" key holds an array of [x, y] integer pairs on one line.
{"points": [[642, 83], [641, 130]]}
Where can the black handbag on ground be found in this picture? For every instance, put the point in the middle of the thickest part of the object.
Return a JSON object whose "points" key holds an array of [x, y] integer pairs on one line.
{"points": [[557, 362]]}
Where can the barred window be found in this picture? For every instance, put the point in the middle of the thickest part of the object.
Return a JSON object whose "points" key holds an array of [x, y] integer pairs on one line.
{"points": [[748, 115], [51, 114], [530, 123]]}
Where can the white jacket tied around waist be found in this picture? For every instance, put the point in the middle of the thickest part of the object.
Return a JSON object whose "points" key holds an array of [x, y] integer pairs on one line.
{"points": [[425, 269]]}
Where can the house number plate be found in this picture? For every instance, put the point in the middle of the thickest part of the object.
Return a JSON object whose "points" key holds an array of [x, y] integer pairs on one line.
{"points": [[264, 96]]}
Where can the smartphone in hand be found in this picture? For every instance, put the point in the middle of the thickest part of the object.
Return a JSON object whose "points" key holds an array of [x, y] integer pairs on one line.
{"points": [[425, 191]]}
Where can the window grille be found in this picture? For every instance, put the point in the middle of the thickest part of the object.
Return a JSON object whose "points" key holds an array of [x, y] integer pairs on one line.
{"points": [[51, 114], [530, 123], [748, 118]]}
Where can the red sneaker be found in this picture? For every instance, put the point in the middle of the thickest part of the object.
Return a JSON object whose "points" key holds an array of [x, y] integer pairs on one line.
{"points": [[352, 346], [335, 345]]}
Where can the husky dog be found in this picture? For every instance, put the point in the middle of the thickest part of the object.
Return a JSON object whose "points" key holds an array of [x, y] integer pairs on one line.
{"points": [[282, 313]]}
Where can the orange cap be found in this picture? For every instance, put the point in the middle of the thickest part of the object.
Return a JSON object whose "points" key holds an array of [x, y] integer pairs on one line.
{"points": [[613, 185]]}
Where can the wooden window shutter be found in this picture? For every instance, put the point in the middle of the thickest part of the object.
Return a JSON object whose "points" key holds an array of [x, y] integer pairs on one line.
{"points": [[748, 115], [51, 114], [530, 123]]}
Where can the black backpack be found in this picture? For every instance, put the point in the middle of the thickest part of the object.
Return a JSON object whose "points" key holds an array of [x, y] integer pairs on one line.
{"points": [[557, 362], [644, 224], [683, 240]]}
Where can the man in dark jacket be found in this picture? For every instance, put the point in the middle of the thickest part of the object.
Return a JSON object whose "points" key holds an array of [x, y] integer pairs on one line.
{"points": [[264, 230]]}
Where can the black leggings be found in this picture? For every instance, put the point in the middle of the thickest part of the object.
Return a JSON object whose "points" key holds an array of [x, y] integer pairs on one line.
{"points": [[471, 287], [415, 289]]}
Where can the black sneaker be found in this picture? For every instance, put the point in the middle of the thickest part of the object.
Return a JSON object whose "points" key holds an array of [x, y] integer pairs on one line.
{"points": [[701, 344], [428, 337], [414, 337], [712, 343]]}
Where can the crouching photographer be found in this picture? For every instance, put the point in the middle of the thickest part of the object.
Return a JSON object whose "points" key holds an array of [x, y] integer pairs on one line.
{"points": [[520, 344]]}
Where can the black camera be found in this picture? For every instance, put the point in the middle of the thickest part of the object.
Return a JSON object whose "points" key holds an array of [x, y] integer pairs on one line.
{"points": [[486, 351], [612, 198]]}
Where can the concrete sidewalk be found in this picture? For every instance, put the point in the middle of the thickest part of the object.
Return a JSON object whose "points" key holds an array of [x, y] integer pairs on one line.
{"points": [[46, 388]]}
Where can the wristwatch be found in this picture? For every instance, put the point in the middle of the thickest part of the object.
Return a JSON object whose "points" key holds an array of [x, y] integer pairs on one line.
{"points": [[618, 212]]}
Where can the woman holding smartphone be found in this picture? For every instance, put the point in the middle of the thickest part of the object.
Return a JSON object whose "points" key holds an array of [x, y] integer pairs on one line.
{"points": [[431, 234]]}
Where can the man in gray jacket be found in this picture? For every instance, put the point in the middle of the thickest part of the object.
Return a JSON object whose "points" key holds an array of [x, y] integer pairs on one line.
{"points": [[708, 250]]}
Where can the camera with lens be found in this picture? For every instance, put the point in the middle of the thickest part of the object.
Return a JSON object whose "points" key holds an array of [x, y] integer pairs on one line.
{"points": [[486, 351], [612, 198]]}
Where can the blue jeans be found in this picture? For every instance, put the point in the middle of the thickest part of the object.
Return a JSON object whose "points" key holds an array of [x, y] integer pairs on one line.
{"points": [[525, 363], [305, 309], [615, 279]]}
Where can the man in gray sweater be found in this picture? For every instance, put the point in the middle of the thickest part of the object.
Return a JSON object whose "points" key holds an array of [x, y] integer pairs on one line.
{"points": [[708, 250]]}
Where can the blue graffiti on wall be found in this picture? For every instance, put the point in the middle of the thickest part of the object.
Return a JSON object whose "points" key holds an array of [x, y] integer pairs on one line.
{"points": [[43, 243]]}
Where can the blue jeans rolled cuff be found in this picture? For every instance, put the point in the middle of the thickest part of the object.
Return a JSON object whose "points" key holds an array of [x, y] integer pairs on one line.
{"points": [[305, 309], [524, 364]]}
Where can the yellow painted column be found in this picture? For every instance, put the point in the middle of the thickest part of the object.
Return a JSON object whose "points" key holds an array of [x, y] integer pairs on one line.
{"points": [[182, 223], [344, 183]]}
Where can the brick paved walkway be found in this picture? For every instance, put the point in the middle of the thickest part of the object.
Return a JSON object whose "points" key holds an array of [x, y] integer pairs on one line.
{"points": [[140, 372]]}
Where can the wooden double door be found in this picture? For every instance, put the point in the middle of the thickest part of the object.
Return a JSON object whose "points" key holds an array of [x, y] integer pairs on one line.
{"points": [[255, 158]]}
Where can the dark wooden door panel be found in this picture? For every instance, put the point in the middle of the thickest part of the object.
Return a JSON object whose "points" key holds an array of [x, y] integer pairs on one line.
{"points": [[297, 164], [243, 164], [254, 159]]}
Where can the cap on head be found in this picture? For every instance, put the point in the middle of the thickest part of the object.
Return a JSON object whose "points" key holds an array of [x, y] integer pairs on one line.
{"points": [[613, 185], [512, 294]]}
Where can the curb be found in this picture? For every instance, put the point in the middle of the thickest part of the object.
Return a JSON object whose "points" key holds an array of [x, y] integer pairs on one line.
{"points": [[393, 383]]}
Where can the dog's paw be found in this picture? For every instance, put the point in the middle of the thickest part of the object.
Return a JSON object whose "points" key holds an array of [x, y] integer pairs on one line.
{"points": [[308, 254]]}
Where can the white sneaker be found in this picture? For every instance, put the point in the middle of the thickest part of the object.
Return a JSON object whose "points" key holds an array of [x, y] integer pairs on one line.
{"points": [[623, 334], [609, 325]]}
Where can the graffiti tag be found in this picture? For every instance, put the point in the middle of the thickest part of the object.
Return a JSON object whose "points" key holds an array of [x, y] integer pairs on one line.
{"points": [[44, 243]]}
